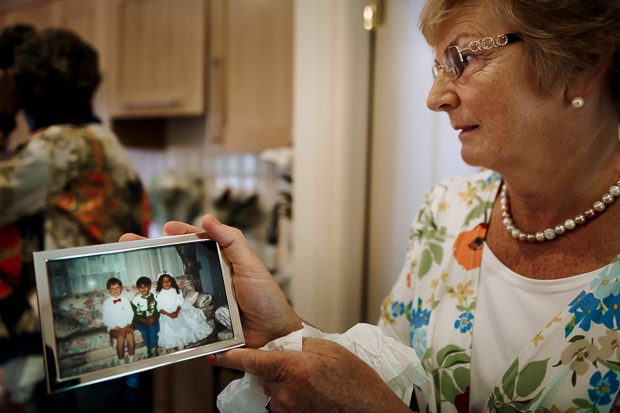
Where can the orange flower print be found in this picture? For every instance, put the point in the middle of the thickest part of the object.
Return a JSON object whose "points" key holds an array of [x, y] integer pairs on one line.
{"points": [[467, 248]]}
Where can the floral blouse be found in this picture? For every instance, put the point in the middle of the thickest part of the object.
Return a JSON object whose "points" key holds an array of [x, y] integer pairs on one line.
{"points": [[67, 186], [571, 365]]}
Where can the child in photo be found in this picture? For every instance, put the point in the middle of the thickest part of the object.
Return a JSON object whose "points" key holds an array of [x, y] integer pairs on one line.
{"points": [[117, 317], [146, 315], [181, 324]]}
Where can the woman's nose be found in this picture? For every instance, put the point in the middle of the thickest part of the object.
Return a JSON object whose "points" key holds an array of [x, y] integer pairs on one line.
{"points": [[442, 96]]}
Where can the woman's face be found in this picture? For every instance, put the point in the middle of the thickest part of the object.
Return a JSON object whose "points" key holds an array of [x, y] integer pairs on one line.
{"points": [[166, 283], [502, 118]]}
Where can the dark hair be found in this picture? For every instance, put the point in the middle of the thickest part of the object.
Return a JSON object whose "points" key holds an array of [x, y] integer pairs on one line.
{"points": [[143, 281], [113, 281], [57, 74], [160, 282], [10, 38]]}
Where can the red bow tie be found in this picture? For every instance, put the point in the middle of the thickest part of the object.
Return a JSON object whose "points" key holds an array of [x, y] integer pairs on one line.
{"points": [[116, 301]]}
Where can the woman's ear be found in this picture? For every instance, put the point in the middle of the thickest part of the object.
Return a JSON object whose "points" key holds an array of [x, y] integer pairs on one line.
{"points": [[582, 84]]}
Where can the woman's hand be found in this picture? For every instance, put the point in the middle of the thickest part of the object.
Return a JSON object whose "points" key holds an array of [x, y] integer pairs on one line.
{"points": [[324, 377], [265, 312]]}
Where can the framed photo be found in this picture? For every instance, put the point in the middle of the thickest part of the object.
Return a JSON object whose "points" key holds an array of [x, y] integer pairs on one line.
{"points": [[116, 309]]}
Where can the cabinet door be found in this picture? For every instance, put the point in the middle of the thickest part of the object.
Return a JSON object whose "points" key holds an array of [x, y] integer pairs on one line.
{"points": [[158, 66], [41, 14], [251, 48]]}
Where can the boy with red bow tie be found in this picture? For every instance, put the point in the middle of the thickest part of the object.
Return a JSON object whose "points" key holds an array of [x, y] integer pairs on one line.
{"points": [[117, 317]]}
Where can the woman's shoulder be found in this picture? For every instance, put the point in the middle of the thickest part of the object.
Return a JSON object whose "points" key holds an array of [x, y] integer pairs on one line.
{"points": [[459, 202]]}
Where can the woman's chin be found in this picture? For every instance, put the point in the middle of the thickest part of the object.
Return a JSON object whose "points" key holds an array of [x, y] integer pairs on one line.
{"points": [[472, 157]]}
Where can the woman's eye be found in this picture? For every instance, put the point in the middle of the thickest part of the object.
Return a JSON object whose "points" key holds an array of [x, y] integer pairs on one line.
{"points": [[467, 59]]}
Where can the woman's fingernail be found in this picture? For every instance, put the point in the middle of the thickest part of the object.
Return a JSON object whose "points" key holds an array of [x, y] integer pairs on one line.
{"points": [[215, 220], [211, 359]]}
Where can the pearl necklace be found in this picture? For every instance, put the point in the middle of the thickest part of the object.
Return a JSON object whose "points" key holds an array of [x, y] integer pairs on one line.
{"points": [[551, 233]]}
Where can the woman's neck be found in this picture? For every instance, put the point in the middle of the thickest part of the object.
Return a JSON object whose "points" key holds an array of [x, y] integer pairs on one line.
{"points": [[560, 188]]}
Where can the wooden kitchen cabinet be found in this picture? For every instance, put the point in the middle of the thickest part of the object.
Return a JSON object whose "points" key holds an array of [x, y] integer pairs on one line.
{"points": [[251, 74], [159, 47]]}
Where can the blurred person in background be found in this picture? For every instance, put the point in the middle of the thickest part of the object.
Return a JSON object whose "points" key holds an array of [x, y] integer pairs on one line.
{"points": [[69, 184]]}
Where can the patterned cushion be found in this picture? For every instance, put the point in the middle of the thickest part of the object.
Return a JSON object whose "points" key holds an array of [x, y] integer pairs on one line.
{"points": [[203, 300], [86, 308], [87, 342], [65, 324], [222, 316]]}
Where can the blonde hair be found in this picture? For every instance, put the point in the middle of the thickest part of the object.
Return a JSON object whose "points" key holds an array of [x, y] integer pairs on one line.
{"points": [[562, 37]]}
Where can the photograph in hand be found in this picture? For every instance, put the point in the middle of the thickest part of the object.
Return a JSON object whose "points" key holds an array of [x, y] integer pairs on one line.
{"points": [[116, 309]]}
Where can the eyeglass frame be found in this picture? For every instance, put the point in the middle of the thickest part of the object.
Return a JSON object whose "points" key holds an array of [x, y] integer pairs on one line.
{"points": [[473, 47]]}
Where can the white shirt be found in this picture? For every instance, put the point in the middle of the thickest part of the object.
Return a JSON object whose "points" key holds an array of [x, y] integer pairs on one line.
{"points": [[510, 311], [117, 314]]}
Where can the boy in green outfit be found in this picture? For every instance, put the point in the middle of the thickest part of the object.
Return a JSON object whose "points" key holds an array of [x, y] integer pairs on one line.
{"points": [[146, 315]]}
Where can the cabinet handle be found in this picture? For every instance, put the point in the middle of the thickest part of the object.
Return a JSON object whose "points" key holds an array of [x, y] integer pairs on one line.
{"points": [[149, 104]]}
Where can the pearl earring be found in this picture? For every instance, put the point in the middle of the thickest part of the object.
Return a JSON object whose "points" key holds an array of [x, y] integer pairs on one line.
{"points": [[577, 102]]}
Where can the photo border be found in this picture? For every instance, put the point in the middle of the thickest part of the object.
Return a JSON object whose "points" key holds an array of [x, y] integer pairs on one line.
{"points": [[54, 381]]}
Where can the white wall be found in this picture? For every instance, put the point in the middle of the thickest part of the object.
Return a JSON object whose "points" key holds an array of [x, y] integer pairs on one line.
{"points": [[329, 139], [412, 147]]}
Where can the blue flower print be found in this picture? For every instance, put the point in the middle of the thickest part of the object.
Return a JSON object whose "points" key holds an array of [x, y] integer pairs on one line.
{"points": [[464, 322], [420, 318], [603, 387], [574, 305], [612, 304], [607, 282], [589, 311], [493, 177], [398, 309], [418, 341]]}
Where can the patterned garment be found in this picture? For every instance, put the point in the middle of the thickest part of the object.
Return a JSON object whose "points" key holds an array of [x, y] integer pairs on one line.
{"points": [[144, 307], [67, 186], [571, 365]]}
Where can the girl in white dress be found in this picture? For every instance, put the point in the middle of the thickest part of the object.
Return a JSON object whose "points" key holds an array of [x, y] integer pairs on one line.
{"points": [[181, 324]]}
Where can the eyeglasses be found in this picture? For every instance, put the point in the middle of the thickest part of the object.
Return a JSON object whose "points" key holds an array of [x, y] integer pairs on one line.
{"points": [[453, 62]]}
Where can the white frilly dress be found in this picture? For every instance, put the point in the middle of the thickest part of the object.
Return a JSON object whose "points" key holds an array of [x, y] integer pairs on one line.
{"points": [[189, 327]]}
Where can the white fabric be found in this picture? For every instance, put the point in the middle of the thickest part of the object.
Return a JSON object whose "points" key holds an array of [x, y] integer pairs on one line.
{"points": [[117, 315], [189, 327], [508, 316], [397, 364]]}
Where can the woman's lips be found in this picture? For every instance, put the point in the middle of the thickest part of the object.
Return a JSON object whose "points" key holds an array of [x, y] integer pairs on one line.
{"points": [[466, 130]]}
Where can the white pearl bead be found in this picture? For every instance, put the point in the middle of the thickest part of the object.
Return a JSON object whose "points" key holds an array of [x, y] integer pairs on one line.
{"points": [[615, 190], [550, 233], [570, 224], [510, 228], [503, 200], [607, 199], [559, 229], [507, 221], [522, 236], [515, 233], [540, 236], [504, 207], [598, 206]]}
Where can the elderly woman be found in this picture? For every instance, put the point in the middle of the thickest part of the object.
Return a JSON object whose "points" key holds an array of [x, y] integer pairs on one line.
{"points": [[510, 291]]}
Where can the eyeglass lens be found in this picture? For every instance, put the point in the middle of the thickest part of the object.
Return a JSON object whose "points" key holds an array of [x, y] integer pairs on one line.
{"points": [[453, 62]]}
